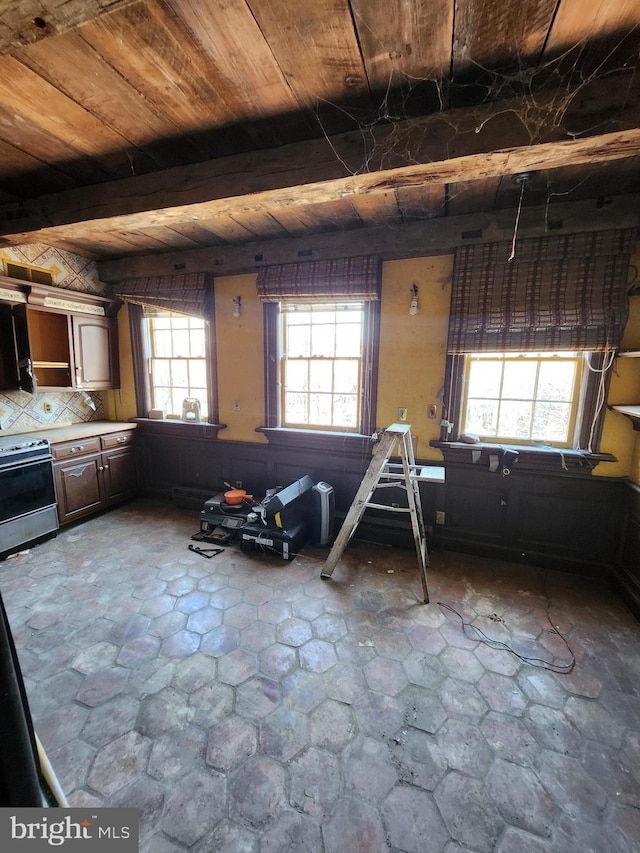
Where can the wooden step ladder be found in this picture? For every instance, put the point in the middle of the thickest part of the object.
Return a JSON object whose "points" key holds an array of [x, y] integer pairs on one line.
{"points": [[381, 474]]}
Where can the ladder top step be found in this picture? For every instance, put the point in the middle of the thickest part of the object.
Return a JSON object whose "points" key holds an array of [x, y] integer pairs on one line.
{"points": [[422, 473], [399, 428]]}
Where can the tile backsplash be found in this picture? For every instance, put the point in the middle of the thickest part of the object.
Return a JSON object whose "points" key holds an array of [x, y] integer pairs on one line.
{"points": [[69, 271], [22, 411]]}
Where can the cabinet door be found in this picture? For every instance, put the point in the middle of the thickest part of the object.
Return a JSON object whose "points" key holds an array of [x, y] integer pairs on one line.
{"points": [[9, 377], [94, 344], [50, 347], [78, 487], [120, 473]]}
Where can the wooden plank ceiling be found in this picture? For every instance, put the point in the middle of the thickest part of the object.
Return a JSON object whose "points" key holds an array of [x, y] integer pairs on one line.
{"points": [[167, 126]]}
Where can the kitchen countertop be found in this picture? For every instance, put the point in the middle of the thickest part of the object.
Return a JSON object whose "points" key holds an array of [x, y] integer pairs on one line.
{"points": [[74, 432]]}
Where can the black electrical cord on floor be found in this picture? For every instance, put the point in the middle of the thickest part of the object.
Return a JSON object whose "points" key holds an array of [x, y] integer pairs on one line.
{"points": [[560, 668]]}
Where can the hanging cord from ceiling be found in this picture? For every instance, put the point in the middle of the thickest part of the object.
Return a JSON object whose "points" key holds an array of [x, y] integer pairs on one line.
{"points": [[601, 393], [521, 179]]}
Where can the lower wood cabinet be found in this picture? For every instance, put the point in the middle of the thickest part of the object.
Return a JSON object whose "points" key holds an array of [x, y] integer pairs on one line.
{"points": [[94, 473]]}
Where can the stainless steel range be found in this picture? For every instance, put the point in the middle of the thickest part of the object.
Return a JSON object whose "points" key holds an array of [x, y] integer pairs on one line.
{"points": [[27, 494]]}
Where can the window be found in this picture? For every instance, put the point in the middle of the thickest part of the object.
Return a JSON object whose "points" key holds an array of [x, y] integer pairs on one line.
{"points": [[532, 336], [177, 367], [321, 331], [522, 397], [552, 399], [321, 365]]}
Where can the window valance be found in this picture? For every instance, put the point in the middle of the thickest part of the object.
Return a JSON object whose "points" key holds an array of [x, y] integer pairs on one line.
{"points": [[316, 281], [559, 293], [186, 293]]}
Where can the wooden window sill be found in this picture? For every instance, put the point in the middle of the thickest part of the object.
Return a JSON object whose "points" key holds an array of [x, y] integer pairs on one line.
{"points": [[552, 460], [184, 428], [344, 442]]}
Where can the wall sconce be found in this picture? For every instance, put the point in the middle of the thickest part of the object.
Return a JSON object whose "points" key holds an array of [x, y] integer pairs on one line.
{"points": [[413, 307], [237, 306]]}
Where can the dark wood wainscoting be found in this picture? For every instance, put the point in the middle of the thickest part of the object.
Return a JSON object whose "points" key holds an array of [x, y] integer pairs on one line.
{"points": [[561, 520], [554, 520], [189, 465], [627, 569]]}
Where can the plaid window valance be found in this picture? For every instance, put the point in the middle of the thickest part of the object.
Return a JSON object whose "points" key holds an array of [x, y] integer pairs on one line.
{"points": [[317, 281], [559, 293], [184, 293]]}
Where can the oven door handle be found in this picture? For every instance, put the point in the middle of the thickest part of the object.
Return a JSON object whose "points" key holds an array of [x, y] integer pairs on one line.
{"points": [[28, 463]]}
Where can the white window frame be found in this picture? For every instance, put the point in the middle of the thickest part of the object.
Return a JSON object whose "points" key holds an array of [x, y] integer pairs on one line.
{"points": [[203, 395], [574, 402]]}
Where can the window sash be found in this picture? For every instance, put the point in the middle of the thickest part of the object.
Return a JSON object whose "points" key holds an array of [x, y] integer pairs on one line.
{"points": [[369, 368], [141, 352], [590, 412], [340, 316], [169, 395], [500, 399]]}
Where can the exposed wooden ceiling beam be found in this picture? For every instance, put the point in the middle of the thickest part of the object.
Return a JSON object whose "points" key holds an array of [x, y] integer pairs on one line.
{"points": [[33, 20], [457, 145], [412, 239], [509, 161]]}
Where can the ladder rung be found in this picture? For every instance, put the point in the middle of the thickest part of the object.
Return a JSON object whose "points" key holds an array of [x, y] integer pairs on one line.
{"points": [[424, 473], [388, 508]]}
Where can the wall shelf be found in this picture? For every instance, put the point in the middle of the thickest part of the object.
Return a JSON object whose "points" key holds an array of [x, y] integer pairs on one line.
{"points": [[632, 412]]}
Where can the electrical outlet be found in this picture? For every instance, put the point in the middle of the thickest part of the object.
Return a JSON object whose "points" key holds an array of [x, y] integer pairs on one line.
{"points": [[47, 408], [236, 405], [432, 411], [402, 413], [440, 517]]}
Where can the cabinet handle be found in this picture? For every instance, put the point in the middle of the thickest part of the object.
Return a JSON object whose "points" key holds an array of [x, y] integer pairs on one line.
{"points": [[77, 449], [100, 468], [121, 438], [106, 468]]}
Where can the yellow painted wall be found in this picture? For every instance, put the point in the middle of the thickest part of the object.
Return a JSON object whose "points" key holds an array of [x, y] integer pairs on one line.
{"points": [[120, 404], [411, 362], [618, 436], [413, 348], [239, 349]]}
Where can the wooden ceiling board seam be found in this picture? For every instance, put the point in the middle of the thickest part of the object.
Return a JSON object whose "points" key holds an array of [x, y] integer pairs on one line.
{"points": [[260, 224], [336, 215], [405, 48], [581, 20], [197, 233], [228, 229], [471, 196], [157, 54], [317, 51], [491, 35], [374, 210], [77, 70], [45, 178], [33, 21], [48, 151], [423, 202], [229, 34], [63, 118]]}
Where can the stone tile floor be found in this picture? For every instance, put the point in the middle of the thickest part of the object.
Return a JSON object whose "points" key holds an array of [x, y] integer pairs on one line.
{"points": [[243, 704]]}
